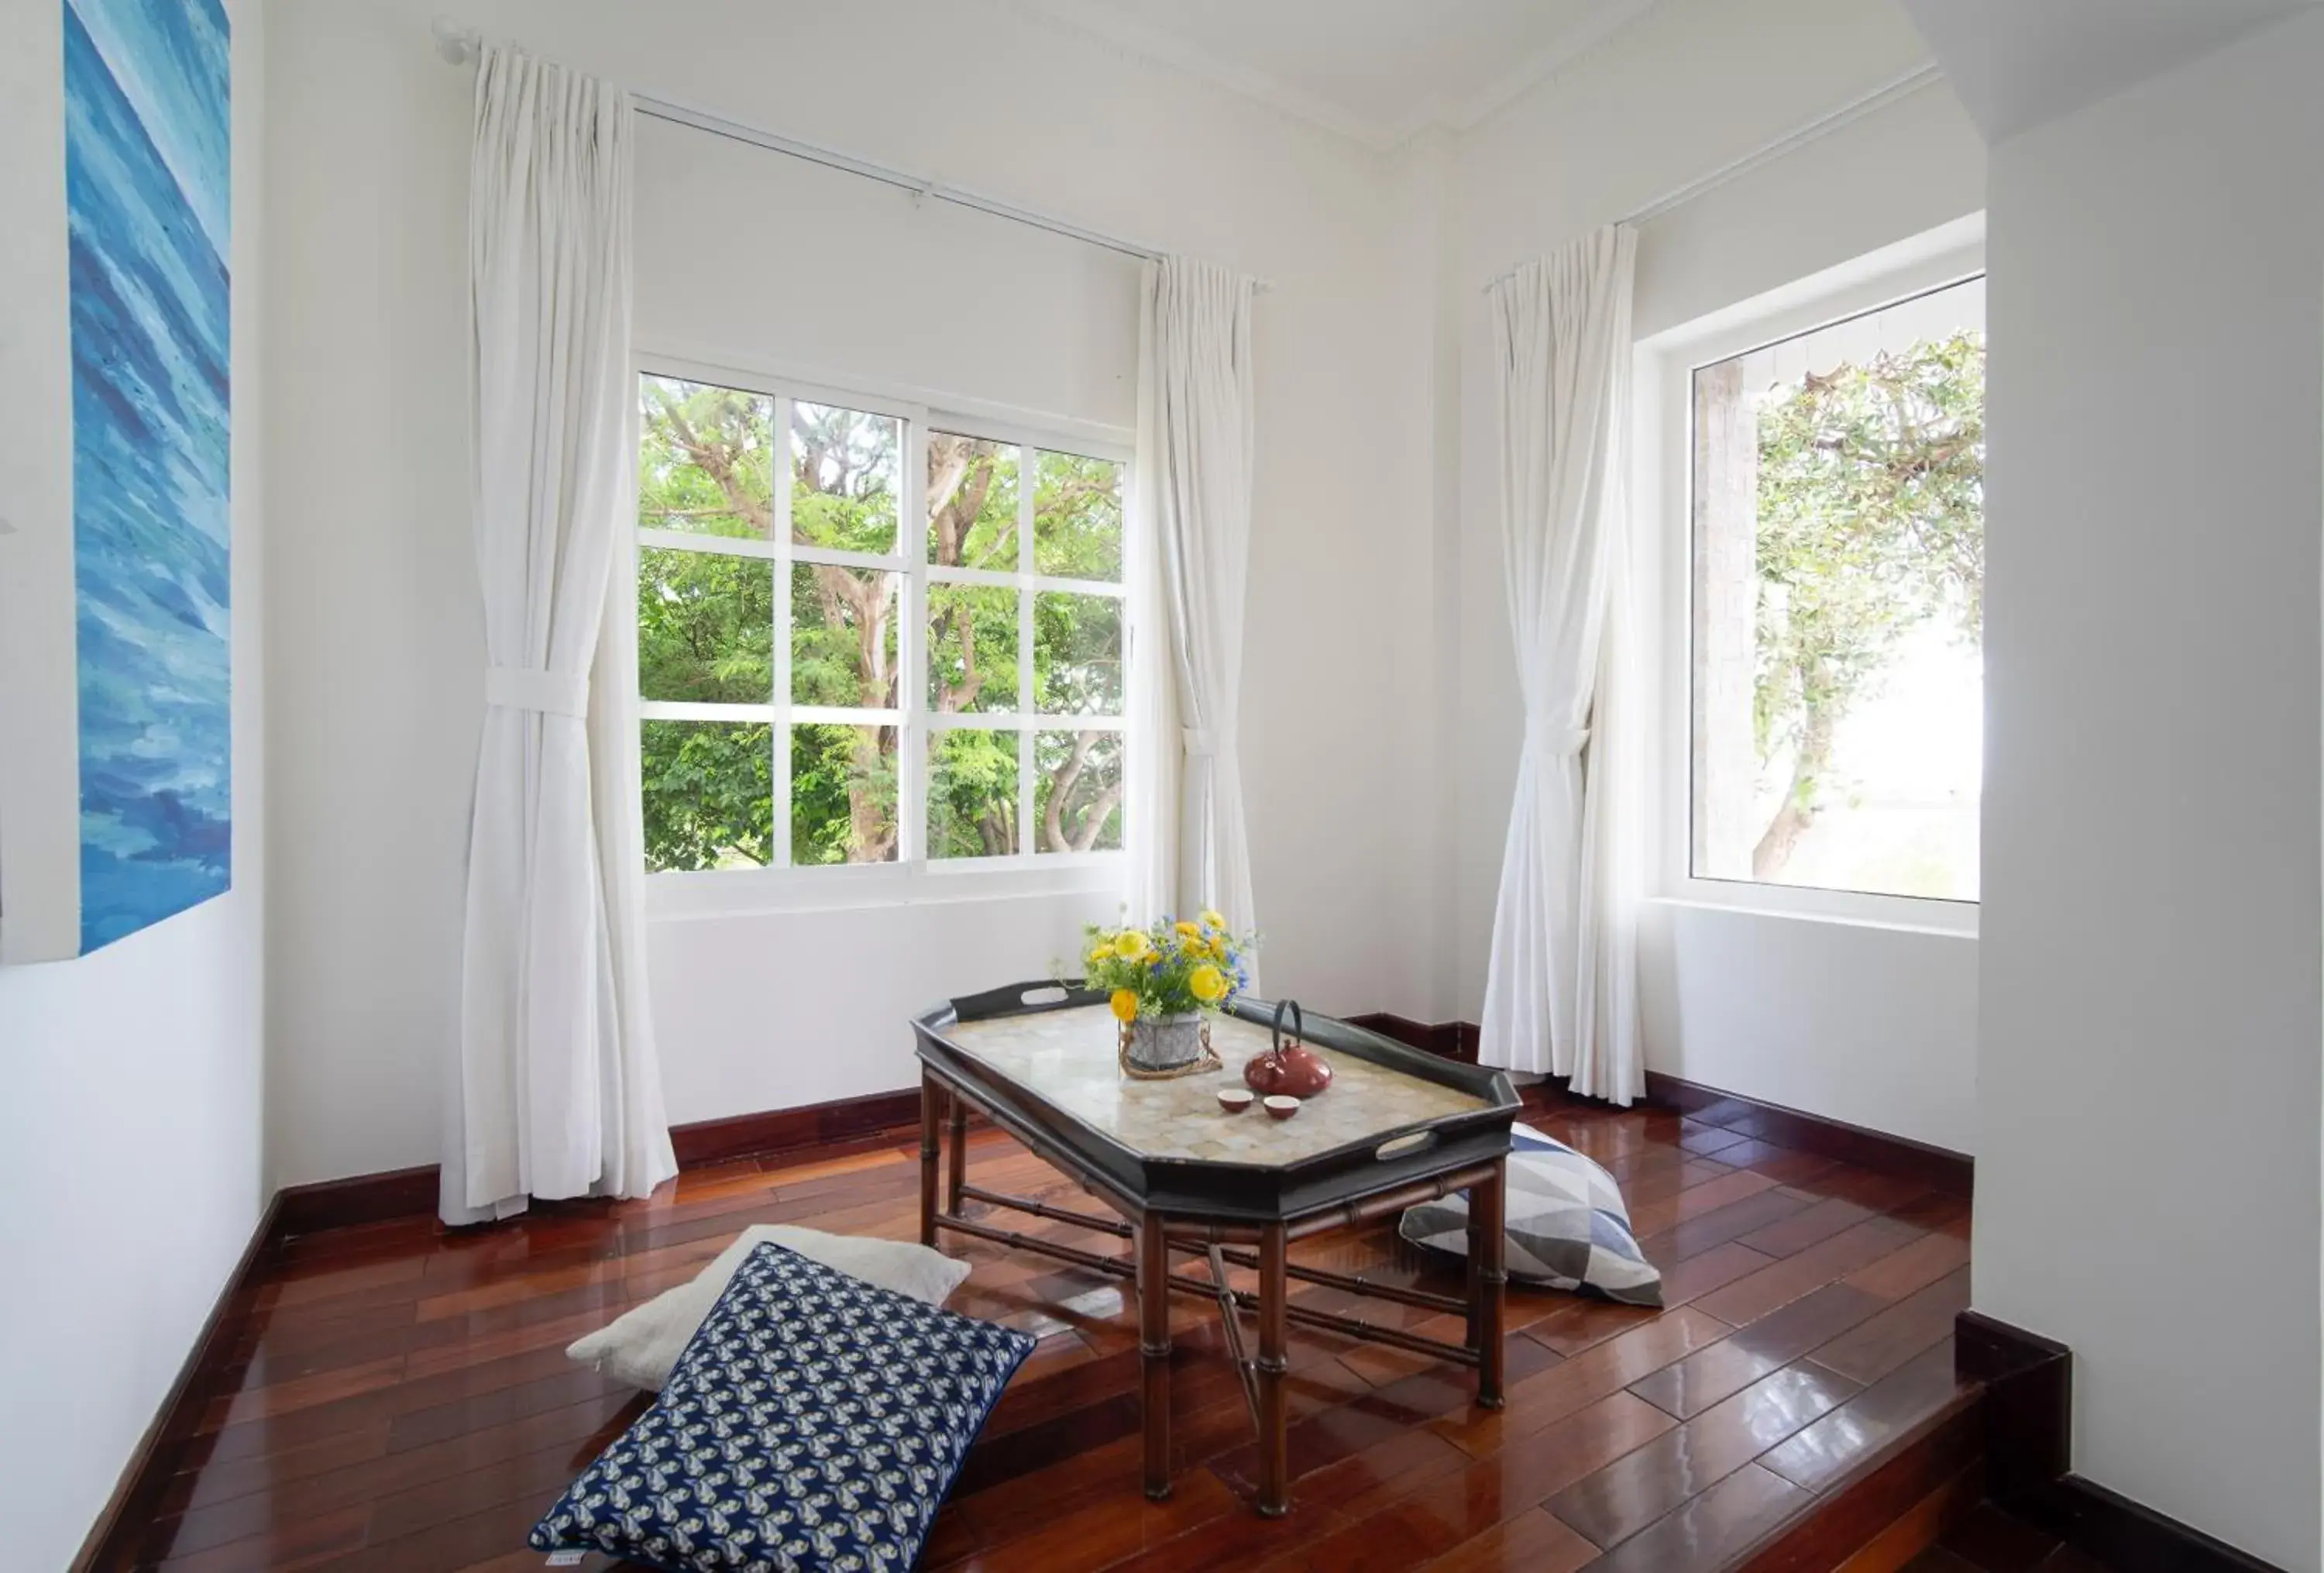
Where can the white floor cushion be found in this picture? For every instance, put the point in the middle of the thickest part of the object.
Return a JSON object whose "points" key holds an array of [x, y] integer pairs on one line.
{"points": [[1567, 1224], [643, 1344]]}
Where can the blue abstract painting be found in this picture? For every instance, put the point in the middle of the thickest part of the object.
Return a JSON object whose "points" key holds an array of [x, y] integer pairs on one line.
{"points": [[147, 198]]}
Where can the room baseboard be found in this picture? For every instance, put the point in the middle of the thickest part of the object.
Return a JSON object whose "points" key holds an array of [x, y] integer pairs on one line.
{"points": [[2029, 1458], [409, 1192], [1452, 1039], [776, 1131], [2029, 1403], [403, 1193], [1936, 1166], [2132, 1538], [1939, 1168], [111, 1538], [361, 1198]]}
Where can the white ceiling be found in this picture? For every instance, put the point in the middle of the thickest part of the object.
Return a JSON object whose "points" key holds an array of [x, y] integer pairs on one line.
{"points": [[2016, 63], [1375, 69]]}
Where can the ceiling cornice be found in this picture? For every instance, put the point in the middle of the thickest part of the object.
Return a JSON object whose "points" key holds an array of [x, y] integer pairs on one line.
{"points": [[1538, 67], [1377, 133], [1160, 48]]}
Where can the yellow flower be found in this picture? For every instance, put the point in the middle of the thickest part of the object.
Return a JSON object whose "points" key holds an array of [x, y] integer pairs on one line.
{"points": [[1219, 946], [1125, 1005], [1131, 946], [1187, 930], [1101, 955], [1213, 919], [1209, 984]]}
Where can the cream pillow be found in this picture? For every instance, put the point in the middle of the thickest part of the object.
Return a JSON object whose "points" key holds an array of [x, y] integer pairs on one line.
{"points": [[641, 1345]]}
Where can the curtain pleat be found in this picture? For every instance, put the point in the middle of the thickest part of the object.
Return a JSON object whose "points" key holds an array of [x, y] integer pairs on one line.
{"points": [[558, 1090], [1560, 992], [1195, 432]]}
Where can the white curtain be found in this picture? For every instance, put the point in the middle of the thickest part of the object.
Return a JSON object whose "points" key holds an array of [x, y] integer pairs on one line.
{"points": [[1560, 992], [1194, 456], [558, 1087]]}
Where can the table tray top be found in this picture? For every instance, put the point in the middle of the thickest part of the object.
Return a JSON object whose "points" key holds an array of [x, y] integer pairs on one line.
{"points": [[1068, 1058], [1040, 1059]]}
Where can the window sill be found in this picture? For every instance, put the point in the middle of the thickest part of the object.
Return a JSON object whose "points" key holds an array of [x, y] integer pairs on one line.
{"points": [[1942, 919], [770, 892]]}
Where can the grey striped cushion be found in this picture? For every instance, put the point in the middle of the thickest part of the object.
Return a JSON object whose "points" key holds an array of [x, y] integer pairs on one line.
{"points": [[1567, 1228]]}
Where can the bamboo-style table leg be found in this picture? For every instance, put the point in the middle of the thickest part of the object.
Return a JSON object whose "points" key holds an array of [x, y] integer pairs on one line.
{"points": [[956, 1160], [1153, 1348], [1273, 1362], [1487, 1280], [931, 1122]]}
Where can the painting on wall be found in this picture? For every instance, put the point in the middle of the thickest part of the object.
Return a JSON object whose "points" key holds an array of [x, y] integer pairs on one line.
{"points": [[146, 89]]}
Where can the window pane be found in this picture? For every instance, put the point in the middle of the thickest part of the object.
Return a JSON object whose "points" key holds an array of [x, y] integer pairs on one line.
{"points": [[1076, 655], [971, 503], [709, 794], [843, 794], [846, 476], [1077, 517], [973, 793], [705, 627], [1077, 790], [1839, 599], [842, 636], [705, 463], [972, 649]]}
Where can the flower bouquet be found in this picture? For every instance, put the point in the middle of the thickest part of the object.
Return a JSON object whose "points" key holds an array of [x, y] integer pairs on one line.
{"points": [[1161, 981]]}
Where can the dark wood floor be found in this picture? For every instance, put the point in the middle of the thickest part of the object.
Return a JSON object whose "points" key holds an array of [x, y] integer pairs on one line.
{"points": [[399, 1399]]}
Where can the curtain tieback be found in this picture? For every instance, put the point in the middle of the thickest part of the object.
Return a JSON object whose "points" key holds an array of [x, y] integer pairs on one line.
{"points": [[1199, 742], [535, 687], [1559, 742]]}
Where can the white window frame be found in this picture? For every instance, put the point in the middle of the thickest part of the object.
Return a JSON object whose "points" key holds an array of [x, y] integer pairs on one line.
{"points": [[1662, 386], [912, 875]]}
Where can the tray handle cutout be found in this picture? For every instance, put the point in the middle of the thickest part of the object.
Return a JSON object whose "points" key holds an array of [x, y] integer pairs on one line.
{"points": [[1405, 1146]]}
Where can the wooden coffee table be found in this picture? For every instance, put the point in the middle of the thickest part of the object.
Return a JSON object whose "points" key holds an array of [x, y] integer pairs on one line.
{"points": [[1396, 1127]]}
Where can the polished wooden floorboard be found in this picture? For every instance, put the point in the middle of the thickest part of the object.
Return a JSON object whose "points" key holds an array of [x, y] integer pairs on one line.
{"points": [[396, 1397]]}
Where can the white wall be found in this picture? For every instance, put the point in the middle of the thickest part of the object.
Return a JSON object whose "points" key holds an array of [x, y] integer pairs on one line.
{"points": [[132, 1132], [378, 692], [1379, 709], [1419, 476], [1867, 1023], [2148, 1147], [1763, 1002]]}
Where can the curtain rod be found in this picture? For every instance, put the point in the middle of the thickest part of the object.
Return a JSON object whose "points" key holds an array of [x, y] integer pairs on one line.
{"points": [[1799, 136], [459, 45]]}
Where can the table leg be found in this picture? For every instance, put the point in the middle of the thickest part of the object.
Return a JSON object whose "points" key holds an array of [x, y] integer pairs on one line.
{"points": [[1154, 1346], [956, 1168], [1273, 1445], [931, 1110], [1487, 1280]]}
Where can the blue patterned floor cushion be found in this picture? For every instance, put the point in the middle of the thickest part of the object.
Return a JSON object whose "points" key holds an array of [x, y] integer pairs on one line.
{"points": [[1567, 1228], [815, 1421]]}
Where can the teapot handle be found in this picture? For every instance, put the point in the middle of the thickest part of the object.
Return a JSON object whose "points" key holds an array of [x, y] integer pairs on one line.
{"points": [[1299, 1024]]}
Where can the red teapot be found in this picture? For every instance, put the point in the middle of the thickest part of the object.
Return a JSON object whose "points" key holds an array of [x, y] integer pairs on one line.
{"points": [[1288, 1067]]}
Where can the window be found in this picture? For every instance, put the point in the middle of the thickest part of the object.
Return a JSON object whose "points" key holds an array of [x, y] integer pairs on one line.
{"points": [[1838, 492], [872, 636]]}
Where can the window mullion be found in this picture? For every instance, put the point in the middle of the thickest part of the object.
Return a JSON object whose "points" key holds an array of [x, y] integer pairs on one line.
{"points": [[781, 741], [1027, 482], [912, 649]]}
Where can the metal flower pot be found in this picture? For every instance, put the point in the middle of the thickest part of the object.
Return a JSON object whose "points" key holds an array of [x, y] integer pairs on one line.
{"points": [[1166, 1042]]}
